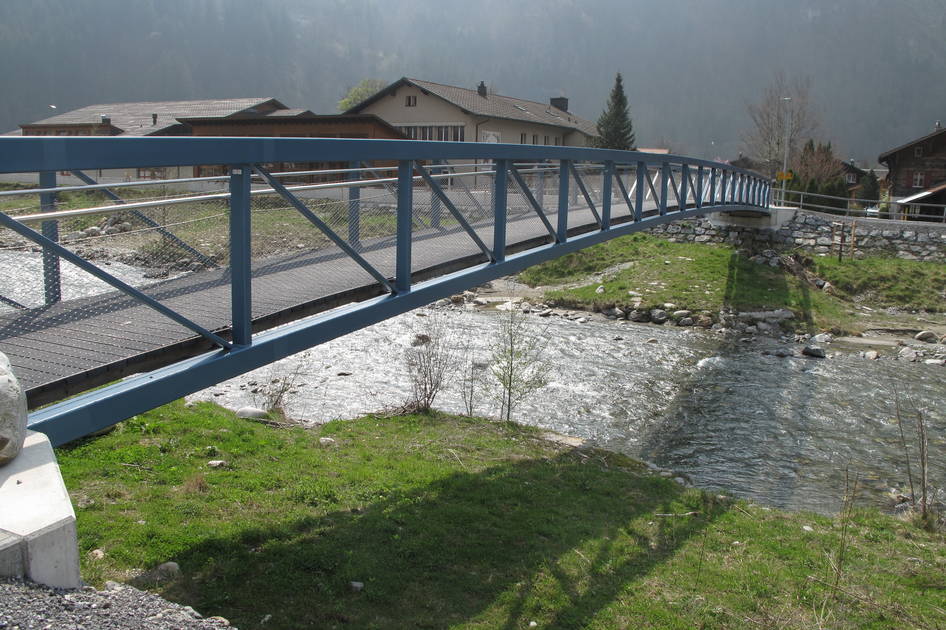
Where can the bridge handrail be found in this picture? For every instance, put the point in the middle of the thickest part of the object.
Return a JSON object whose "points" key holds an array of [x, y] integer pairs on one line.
{"points": [[35, 154]]}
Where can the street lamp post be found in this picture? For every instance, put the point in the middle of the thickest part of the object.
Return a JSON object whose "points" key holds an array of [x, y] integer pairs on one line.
{"points": [[788, 120]]}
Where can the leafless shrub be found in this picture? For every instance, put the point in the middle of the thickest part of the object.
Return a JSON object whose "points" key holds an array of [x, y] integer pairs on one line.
{"points": [[517, 364], [430, 360], [272, 393]]}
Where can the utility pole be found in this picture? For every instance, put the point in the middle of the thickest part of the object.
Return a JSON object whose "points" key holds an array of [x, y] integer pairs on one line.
{"points": [[788, 122]]}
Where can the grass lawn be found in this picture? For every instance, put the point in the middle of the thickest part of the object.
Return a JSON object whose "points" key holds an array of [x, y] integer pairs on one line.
{"points": [[465, 523], [712, 277]]}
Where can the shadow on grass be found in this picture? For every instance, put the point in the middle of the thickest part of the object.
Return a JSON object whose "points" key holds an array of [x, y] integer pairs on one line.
{"points": [[748, 285], [496, 548]]}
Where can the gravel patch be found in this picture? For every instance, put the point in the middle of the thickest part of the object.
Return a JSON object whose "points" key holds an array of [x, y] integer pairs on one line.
{"points": [[26, 605]]}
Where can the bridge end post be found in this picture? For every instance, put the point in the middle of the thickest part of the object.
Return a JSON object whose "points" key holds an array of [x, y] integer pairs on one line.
{"points": [[52, 278], [664, 183], [405, 210], [240, 255]]}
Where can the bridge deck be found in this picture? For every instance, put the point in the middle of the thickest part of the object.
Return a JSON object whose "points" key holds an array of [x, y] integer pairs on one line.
{"points": [[75, 345]]}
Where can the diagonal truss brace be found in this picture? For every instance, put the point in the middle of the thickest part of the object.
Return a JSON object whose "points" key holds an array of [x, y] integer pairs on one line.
{"points": [[85, 265], [674, 188], [650, 184], [516, 175], [319, 223], [625, 193], [205, 260], [437, 190], [584, 192]]}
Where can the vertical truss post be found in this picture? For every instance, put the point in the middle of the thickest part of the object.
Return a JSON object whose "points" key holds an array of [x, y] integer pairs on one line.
{"points": [[714, 175], [699, 187], [435, 206], [639, 191], [52, 278], [684, 183], [405, 210], [722, 187], [563, 169], [354, 207], [500, 190], [607, 175], [240, 248], [664, 181]]}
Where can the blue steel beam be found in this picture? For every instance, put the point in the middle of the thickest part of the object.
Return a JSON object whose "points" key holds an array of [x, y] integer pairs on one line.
{"points": [[624, 193], [405, 212], [606, 176], [33, 154], [101, 408], [241, 279], [562, 227], [639, 205], [500, 190]]}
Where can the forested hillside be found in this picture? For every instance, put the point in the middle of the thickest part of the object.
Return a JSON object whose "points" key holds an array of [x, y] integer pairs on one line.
{"points": [[690, 66]]}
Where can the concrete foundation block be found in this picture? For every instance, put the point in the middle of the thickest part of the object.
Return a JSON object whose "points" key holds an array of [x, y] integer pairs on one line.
{"points": [[37, 519]]}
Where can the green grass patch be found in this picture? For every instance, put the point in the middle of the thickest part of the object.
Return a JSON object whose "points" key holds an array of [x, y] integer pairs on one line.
{"points": [[466, 523], [713, 277]]}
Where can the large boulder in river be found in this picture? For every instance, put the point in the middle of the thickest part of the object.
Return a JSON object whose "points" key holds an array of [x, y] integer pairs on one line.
{"points": [[926, 335], [12, 413]]}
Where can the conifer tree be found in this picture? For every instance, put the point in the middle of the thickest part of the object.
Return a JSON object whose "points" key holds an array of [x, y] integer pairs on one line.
{"points": [[870, 187], [615, 130]]}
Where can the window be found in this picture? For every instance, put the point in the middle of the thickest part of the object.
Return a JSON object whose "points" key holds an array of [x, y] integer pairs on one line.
{"points": [[558, 141], [535, 138], [918, 151], [410, 101], [522, 138], [919, 180], [442, 133], [546, 140], [851, 178]]}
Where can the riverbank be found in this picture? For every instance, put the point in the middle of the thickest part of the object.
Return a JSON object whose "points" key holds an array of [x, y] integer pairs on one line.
{"points": [[641, 273], [439, 520]]}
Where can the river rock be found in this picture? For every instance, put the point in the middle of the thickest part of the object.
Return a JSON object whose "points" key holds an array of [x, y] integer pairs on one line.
{"points": [[659, 316], [168, 570], [685, 321], [600, 289], [704, 321], [681, 314], [12, 413], [637, 315], [935, 361], [871, 355], [217, 463], [823, 338], [457, 298], [614, 313], [420, 339], [907, 354], [926, 335], [814, 351], [783, 353]]}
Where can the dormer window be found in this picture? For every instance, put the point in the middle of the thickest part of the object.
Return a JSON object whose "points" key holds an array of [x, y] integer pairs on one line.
{"points": [[410, 101], [918, 151]]}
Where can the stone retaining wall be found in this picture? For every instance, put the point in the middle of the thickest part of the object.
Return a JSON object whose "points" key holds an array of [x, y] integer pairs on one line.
{"points": [[817, 233]]}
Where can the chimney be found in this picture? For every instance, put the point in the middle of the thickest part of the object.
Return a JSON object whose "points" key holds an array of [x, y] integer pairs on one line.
{"points": [[106, 120], [937, 126], [481, 89], [560, 102], [154, 119]]}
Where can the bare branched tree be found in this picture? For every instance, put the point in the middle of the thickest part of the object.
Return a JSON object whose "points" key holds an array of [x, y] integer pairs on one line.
{"points": [[517, 362], [430, 360], [785, 103]]}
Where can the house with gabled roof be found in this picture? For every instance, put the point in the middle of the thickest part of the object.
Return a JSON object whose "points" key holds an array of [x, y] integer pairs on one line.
{"points": [[918, 165], [424, 110]]}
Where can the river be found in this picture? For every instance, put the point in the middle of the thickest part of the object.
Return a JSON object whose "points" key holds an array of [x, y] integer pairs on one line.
{"points": [[727, 414]]}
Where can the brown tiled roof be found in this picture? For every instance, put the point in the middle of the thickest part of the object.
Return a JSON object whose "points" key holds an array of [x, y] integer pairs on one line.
{"points": [[493, 106], [135, 119]]}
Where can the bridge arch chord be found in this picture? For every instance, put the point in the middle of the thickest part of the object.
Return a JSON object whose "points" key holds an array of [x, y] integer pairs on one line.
{"points": [[324, 252]]}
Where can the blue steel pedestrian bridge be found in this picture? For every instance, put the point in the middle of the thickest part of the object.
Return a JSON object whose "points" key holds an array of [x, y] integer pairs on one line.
{"points": [[159, 288]]}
